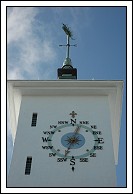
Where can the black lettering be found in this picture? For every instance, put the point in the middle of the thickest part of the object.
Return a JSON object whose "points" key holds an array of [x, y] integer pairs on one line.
{"points": [[46, 139], [84, 122], [92, 154], [97, 133], [61, 159], [72, 161], [47, 147], [73, 121], [93, 126], [52, 154], [53, 126], [62, 122], [83, 159], [98, 147], [99, 140], [48, 132]]}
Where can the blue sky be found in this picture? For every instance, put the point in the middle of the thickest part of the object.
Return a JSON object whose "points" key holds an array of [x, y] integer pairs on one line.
{"points": [[33, 52]]}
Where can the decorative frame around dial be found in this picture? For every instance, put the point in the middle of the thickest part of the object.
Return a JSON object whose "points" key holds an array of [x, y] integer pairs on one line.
{"points": [[77, 156]]}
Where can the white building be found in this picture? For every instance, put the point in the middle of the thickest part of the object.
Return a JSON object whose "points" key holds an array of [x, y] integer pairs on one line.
{"points": [[65, 133]]}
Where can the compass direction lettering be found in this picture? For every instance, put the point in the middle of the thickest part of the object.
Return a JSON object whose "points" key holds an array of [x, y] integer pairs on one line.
{"points": [[99, 140], [98, 147], [83, 159], [46, 139], [72, 161], [52, 154], [47, 147], [92, 154], [93, 126], [73, 121], [61, 159], [53, 126], [84, 122], [48, 132], [97, 133]]}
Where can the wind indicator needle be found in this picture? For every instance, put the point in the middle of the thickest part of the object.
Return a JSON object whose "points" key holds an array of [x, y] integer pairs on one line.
{"points": [[66, 152]]}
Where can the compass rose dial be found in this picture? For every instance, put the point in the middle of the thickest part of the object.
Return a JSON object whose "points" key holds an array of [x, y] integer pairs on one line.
{"points": [[74, 141]]}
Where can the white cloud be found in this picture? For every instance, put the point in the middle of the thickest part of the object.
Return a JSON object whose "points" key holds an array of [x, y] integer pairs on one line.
{"points": [[26, 50], [19, 23], [15, 73]]}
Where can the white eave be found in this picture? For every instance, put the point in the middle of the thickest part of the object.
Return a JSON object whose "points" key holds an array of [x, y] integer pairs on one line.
{"points": [[113, 89]]}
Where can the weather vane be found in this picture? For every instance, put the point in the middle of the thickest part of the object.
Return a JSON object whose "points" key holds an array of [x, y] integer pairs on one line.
{"points": [[69, 35]]}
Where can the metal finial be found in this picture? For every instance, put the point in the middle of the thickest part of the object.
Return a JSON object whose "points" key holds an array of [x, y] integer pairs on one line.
{"points": [[69, 35]]}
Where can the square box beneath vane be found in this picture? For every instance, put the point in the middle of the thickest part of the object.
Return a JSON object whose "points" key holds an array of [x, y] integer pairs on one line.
{"points": [[67, 73]]}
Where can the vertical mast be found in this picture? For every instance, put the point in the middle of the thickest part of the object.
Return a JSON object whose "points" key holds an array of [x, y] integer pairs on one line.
{"points": [[68, 45], [67, 60], [67, 71]]}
